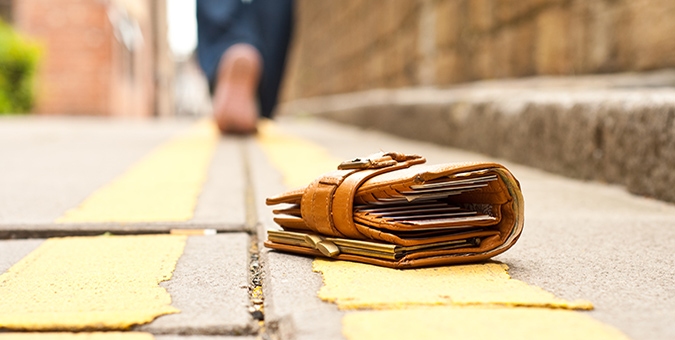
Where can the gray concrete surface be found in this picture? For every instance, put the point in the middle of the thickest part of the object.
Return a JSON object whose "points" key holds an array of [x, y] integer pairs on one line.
{"points": [[582, 240], [614, 128], [209, 286], [292, 308], [50, 165], [221, 202]]}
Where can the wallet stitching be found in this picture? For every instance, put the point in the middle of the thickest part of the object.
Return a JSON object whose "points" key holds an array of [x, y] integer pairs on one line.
{"points": [[514, 203]]}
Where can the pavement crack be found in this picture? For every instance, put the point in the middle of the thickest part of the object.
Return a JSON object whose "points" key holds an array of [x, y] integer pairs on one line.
{"points": [[256, 308], [255, 290]]}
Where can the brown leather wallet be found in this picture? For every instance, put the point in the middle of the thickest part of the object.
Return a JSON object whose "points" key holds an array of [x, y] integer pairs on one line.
{"points": [[388, 209]]}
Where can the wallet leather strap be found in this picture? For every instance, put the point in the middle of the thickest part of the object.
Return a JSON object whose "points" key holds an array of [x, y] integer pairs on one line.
{"points": [[327, 203]]}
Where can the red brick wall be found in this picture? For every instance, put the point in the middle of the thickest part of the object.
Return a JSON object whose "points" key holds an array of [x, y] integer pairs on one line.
{"points": [[85, 69], [74, 74]]}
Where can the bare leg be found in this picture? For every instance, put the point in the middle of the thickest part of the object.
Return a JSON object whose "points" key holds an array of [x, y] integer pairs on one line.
{"points": [[234, 97]]}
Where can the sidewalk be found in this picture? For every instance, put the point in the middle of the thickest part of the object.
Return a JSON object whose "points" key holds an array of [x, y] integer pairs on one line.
{"points": [[615, 128], [583, 241]]}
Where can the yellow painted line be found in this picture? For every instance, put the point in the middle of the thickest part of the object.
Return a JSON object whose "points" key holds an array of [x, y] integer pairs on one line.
{"points": [[90, 283], [298, 160], [467, 323], [359, 286], [164, 186], [78, 336], [476, 301]]}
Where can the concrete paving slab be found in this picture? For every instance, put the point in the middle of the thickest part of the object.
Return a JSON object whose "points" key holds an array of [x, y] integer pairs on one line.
{"points": [[221, 203], [309, 324], [90, 283], [604, 244], [582, 240], [209, 286], [54, 164], [51, 164], [624, 267], [292, 308]]}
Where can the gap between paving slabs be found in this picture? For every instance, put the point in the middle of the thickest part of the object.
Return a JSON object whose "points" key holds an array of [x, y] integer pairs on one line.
{"points": [[255, 268], [253, 284]]}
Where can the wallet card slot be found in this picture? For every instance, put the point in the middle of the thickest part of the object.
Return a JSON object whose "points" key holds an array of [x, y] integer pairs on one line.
{"points": [[435, 234], [435, 221], [453, 181], [441, 189], [422, 215], [441, 209], [466, 243], [394, 208]]}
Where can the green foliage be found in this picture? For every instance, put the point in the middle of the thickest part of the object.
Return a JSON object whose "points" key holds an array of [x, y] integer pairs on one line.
{"points": [[18, 63]]}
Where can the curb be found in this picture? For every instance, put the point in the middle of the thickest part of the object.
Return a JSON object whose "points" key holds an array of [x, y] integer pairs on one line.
{"points": [[612, 128]]}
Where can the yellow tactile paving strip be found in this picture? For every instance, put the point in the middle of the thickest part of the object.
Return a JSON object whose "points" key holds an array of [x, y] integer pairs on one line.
{"points": [[163, 186], [296, 158], [472, 301], [350, 286], [90, 283], [441, 323]]}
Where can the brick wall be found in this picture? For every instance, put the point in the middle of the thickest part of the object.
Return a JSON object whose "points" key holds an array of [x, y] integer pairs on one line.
{"points": [[93, 62], [353, 45]]}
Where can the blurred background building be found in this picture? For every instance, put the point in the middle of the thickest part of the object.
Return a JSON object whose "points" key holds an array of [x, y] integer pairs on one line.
{"points": [[99, 57], [353, 45]]}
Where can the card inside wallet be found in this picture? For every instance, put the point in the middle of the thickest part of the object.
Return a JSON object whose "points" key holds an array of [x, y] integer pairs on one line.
{"points": [[450, 212]]}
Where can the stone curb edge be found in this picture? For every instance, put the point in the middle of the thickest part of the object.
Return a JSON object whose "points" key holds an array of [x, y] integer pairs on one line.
{"points": [[616, 129]]}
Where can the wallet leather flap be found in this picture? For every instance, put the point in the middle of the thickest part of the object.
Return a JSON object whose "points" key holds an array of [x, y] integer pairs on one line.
{"points": [[447, 213], [290, 197]]}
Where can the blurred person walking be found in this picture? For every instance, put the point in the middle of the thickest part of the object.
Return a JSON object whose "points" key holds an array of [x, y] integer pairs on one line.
{"points": [[242, 47]]}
